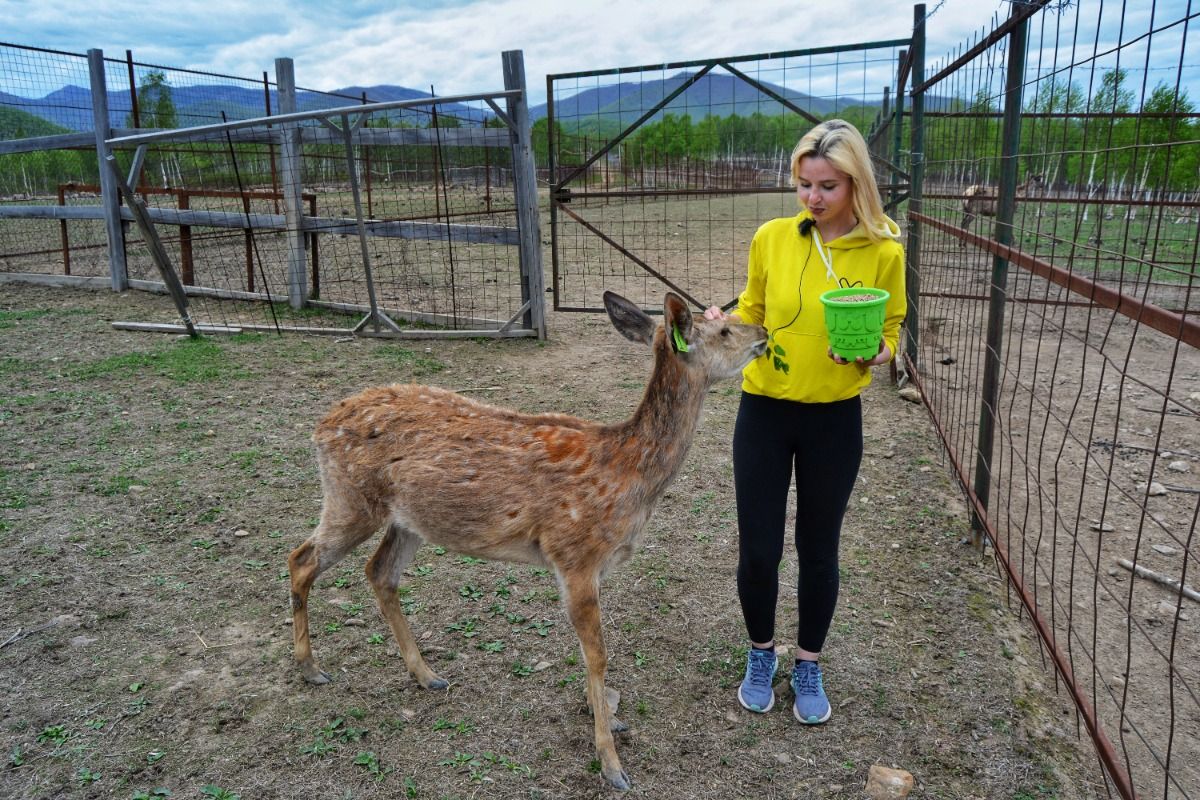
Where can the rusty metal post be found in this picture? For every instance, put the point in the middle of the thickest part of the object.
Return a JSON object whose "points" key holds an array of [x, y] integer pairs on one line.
{"points": [[62, 230], [133, 98], [916, 189], [315, 251], [271, 146], [185, 242], [1006, 204], [249, 245], [897, 127]]}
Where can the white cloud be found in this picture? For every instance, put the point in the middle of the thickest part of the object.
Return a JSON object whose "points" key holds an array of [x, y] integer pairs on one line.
{"points": [[455, 45]]}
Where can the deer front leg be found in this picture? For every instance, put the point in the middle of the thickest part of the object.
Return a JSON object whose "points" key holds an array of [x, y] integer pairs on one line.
{"points": [[583, 606], [384, 571]]}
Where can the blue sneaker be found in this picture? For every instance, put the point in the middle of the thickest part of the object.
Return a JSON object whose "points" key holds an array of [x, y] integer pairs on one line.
{"points": [[812, 706], [755, 693]]}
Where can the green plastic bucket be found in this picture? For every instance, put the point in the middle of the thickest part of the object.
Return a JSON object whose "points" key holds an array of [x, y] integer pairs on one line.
{"points": [[854, 320]]}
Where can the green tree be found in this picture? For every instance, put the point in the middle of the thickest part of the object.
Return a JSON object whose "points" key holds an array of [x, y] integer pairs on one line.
{"points": [[1170, 133], [156, 107]]}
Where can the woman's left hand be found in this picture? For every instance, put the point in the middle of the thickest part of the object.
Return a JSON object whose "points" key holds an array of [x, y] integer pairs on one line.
{"points": [[883, 357]]}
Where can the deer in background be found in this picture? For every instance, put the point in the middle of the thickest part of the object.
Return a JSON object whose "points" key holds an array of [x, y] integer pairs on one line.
{"points": [[548, 489], [980, 199]]}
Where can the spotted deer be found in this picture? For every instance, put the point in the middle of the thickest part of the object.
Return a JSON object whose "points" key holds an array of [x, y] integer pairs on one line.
{"points": [[980, 199], [548, 489]]}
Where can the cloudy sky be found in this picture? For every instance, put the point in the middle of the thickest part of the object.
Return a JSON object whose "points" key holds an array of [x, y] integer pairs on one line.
{"points": [[455, 45]]}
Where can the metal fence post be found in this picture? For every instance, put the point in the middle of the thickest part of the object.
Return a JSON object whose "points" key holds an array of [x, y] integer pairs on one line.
{"points": [[110, 198], [1006, 204], [291, 179], [898, 128], [525, 189], [916, 183]]}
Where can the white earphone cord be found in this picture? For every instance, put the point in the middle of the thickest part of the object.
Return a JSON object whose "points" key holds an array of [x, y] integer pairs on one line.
{"points": [[826, 259]]}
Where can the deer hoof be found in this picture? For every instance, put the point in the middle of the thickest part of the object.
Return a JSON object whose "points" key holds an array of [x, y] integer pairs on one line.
{"points": [[618, 778], [616, 726], [315, 675], [435, 683]]}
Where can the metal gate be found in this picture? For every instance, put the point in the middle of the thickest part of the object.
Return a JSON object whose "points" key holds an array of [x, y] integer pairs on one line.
{"points": [[659, 175]]}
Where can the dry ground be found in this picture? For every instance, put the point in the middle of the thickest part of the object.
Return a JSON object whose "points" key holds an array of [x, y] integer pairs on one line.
{"points": [[151, 488]]}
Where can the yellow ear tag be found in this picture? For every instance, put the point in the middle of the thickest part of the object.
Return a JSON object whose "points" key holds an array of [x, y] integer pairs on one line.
{"points": [[680, 343]]}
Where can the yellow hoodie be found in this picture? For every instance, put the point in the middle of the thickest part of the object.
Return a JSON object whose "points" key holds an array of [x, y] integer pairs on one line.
{"points": [[785, 281]]}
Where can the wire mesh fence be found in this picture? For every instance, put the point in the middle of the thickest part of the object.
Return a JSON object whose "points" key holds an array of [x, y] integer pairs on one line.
{"points": [[443, 169], [1058, 352], [659, 175]]}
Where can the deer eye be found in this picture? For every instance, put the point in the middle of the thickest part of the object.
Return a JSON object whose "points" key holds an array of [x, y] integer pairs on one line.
{"points": [[724, 331]]}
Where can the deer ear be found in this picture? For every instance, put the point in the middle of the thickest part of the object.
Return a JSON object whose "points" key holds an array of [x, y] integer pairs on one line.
{"points": [[632, 323], [678, 320]]}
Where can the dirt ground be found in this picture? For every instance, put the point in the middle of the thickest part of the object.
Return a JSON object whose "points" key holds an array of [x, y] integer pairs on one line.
{"points": [[151, 489]]}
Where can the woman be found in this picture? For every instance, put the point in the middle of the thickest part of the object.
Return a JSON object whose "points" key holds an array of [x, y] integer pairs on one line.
{"points": [[800, 409]]}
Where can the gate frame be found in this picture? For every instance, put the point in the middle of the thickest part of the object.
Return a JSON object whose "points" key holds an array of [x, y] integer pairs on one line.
{"points": [[561, 194]]}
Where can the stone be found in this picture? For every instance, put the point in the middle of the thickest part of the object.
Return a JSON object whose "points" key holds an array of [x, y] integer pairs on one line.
{"points": [[783, 758], [884, 783], [910, 394], [1103, 527], [541, 665], [1179, 466], [241, 533], [1164, 549]]}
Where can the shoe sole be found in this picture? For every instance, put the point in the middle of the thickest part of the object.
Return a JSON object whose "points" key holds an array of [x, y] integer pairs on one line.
{"points": [[810, 720], [755, 709]]}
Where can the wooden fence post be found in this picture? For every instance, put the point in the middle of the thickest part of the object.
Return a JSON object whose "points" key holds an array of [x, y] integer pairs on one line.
{"points": [[110, 198], [525, 188], [290, 178]]}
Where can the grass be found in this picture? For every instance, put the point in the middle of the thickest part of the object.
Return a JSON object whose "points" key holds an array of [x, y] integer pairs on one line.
{"points": [[187, 361], [219, 435], [420, 364]]}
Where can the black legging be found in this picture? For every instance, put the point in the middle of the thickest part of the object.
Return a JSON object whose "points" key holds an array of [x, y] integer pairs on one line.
{"points": [[823, 441]]}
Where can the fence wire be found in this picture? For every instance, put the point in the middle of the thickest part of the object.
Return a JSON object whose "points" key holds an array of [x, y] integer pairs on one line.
{"points": [[662, 173], [1094, 476], [418, 165]]}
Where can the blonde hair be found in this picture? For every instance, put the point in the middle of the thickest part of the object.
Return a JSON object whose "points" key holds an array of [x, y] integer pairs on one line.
{"points": [[840, 143]]}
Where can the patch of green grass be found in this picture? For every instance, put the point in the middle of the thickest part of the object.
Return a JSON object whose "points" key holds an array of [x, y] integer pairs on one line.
{"points": [[453, 729], [419, 363], [217, 793], [186, 361], [54, 734], [10, 366], [247, 337], [10, 318], [117, 484], [247, 459], [370, 762], [153, 794]]}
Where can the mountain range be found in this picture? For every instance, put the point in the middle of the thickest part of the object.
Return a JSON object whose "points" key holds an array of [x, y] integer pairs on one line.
{"points": [[69, 108]]}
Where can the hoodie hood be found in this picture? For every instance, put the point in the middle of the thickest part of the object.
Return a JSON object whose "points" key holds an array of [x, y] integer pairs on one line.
{"points": [[857, 237]]}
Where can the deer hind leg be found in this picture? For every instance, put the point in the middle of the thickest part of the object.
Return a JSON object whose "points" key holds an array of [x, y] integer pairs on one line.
{"points": [[583, 607], [340, 530], [384, 571]]}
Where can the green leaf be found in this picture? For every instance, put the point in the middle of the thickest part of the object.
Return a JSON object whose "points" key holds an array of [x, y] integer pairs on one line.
{"points": [[779, 351]]}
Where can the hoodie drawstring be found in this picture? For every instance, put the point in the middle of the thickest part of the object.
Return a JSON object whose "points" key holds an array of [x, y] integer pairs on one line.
{"points": [[826, 257]]}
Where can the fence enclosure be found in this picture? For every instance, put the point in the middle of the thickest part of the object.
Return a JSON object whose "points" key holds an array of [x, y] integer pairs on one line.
{"points": [[1046, 176], [413, 216], [1056, 347]]}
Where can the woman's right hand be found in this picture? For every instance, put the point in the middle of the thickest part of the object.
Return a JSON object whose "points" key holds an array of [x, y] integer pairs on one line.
{"points": [[714, 312]]}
